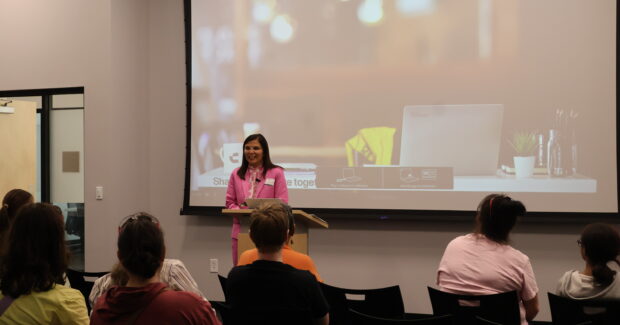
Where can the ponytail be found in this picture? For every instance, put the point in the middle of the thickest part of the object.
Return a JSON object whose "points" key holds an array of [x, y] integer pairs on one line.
{"points": [[601, 244], [603, 274]]}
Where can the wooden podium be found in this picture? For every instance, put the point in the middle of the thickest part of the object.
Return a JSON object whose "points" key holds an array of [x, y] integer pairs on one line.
{"points": [[303, 221]]}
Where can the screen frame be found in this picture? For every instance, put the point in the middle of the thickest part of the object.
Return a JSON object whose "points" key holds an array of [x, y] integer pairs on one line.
{"points": [[382, 214]]}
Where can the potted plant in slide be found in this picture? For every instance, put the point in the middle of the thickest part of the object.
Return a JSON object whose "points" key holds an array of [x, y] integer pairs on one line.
{"points": [[524, 145]]}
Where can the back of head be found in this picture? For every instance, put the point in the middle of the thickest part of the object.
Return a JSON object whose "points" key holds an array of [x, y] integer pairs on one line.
{"points": [[11, 203], [141, 248], [269, 227], [601, 244], [497, 215], [36, 256]]}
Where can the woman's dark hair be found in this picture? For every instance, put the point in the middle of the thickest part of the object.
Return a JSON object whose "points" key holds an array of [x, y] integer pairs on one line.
{"points": [[267, 164], [141, 248], [12, 202], [601, 244], [497, 215], [36, 256]]}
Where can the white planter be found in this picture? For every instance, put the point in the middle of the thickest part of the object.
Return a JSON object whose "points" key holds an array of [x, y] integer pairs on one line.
{"points": [[524, 166]]}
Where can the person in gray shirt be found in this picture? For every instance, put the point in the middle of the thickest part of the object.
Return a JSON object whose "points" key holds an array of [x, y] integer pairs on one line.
{"points": [[600, 247]]}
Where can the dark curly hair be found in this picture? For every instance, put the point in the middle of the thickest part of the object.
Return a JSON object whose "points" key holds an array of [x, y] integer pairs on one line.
{"points": [[497, 215], [36, 256]]}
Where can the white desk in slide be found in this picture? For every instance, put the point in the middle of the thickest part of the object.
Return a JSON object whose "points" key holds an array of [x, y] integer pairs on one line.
{"points": [[538, 183], [495, 183]]}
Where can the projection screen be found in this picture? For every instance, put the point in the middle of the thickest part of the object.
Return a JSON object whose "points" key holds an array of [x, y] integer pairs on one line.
{"points": [[407, 104]]}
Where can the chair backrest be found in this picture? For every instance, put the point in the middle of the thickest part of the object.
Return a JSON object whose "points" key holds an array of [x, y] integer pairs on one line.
{"points": [[570, 311], [223, 285], [502, 308], [383, 302], [78, 280], [271, 316], [482, 321], [358, 318], [223, 311]]}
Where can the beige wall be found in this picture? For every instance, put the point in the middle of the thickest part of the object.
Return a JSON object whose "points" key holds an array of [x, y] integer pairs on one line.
{"points": [[129, 56], [67, 130]]}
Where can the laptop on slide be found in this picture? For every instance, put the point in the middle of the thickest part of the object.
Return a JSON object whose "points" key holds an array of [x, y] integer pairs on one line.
{"points": [[464, 137]]}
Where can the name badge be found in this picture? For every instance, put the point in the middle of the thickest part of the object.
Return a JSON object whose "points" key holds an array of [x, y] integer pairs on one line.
{"points": [[270, 181]]}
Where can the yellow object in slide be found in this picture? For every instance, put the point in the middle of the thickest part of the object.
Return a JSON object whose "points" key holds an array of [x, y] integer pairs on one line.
{"points": [[374, 144]]}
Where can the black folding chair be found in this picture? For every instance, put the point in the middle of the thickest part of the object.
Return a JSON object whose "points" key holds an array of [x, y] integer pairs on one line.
{"points": [[482, 321], [502, 308], [383, 302], [568, 311], [270, 316], [358, 318], [223, 285], [223, 311]]}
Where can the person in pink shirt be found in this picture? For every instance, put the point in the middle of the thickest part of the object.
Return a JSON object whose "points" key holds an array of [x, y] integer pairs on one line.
{"points": [[257, 177], [484, 263]]}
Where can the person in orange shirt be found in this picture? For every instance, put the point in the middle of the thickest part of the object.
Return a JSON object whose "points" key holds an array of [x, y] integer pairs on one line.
{"points": [[289, 256]]}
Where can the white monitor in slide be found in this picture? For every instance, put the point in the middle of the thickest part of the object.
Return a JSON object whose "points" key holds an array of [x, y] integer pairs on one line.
{"points": [[465, 138]]}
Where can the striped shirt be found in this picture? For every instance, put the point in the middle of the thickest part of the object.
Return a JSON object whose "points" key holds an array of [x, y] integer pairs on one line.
{"points": [[173, 273]]}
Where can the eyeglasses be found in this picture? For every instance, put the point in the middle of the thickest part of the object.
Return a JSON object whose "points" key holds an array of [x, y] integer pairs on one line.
{"points": [[579, 243], [134, 217]]}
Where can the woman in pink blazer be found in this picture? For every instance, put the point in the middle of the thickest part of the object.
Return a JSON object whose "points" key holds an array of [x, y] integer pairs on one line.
{"points": [[257, 177]]}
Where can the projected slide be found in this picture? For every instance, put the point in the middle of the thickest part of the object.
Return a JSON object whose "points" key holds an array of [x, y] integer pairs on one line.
{"points": [[409, 104]]}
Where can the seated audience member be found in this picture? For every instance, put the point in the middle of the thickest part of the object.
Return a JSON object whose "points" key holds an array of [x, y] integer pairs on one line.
{"points": [[289, 256], [32, 271], [267, 289], [600, 247], [173, 273], [11, 203], [484, 263], [144, 299]]}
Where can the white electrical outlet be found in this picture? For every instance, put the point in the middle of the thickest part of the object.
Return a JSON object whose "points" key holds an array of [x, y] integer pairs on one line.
{"points": [[99, 192], [213, 267]]}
